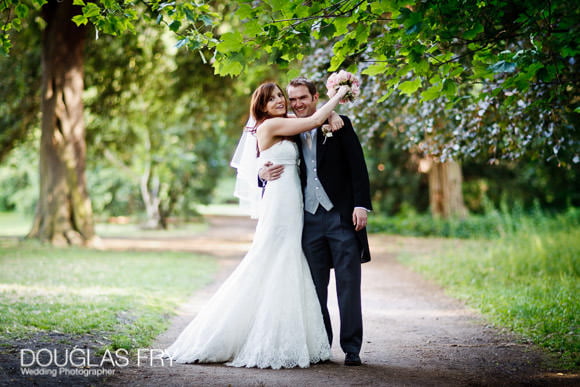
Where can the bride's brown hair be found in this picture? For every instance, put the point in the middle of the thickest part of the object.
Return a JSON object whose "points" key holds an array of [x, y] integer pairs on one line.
{"points": [[260, 99]]}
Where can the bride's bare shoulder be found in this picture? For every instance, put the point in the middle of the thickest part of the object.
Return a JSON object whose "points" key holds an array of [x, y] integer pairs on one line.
{"points": [[271, 123]]}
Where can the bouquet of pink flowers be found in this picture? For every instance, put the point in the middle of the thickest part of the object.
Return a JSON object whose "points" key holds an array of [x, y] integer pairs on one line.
{"points": [[343, 78]]}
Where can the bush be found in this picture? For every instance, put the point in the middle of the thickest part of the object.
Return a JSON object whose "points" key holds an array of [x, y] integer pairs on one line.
{"points": [[493, 224]]}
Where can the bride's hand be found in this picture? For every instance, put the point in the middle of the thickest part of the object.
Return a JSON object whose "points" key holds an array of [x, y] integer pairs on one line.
{"points": [[342, 90]]}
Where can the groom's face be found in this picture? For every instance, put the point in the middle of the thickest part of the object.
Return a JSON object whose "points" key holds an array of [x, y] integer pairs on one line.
{"points": [[302, 102]]}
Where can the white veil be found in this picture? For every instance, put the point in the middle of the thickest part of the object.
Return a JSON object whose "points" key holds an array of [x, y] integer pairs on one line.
{"points": [[245, 160]]}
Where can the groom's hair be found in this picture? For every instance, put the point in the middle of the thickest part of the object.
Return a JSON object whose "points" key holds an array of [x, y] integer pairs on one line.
{"points": [[301, 81]]}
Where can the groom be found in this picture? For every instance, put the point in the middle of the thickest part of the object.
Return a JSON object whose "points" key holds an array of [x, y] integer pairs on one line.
{"points": [[336, 189]]}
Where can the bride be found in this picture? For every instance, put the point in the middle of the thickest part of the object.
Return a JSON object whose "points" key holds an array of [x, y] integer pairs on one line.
{"points": [[267, 314]]}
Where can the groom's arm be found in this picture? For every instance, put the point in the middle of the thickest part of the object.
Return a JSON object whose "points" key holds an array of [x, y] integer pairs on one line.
{"points": [[269, 172], [359, 176], [357, 165]]}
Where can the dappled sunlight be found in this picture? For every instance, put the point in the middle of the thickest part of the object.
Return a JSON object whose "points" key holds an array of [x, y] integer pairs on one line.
{"points": [[19, 290], [199, 245], [417, 313]]}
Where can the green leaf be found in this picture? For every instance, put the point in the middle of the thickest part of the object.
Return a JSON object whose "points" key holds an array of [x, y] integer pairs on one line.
{"points": [[207, 20], [293, 73], [38, 3], [21, 10], [457, 71], [380, 7], [568, 52], [228, 67], [547, 73], [435, 79], [341, 26], [244, 11], [326, 31], [182, 42], [230, 41], [432, 93], [107, 4], [80, 20], [422, 67], [253, 28], [277, 5], [78, 2], [449, 88], [409, 87], [175, 26], [386, 95], [91, 10], [533, 69], [362, 34], [414, 29], [473, 32], [413, 21], [374, 69], [335, 62], [503, 67], [190, 15]]}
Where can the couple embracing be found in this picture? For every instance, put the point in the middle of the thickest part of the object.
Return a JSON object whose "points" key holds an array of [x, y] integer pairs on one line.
{"points": [[272, 310]]}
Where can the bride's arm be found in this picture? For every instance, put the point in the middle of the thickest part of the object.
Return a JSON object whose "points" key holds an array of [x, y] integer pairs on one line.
{"points": [[280, 126], [334, 120]]}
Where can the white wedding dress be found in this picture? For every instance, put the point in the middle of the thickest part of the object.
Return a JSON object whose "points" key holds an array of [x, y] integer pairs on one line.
{"points": [[266, 314]]}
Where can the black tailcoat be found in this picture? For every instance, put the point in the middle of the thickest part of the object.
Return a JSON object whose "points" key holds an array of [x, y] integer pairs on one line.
{"points": [[342, 171]]}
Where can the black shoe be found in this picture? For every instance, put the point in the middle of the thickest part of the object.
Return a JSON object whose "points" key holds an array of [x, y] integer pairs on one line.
{"points": [[352, 359]]}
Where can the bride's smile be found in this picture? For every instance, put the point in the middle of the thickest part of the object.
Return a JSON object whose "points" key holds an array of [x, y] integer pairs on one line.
{"points": [[276, 105]]}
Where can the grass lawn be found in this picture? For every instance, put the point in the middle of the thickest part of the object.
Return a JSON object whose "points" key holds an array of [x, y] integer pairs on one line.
{"points": [[122, 297], [13, 224], [528, 281]]}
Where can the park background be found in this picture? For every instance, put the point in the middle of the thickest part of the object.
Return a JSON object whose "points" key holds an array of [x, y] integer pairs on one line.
{"points": [[123, 124]]}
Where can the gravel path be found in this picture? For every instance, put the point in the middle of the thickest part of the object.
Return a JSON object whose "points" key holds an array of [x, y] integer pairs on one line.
{"points": [[415, 335]]}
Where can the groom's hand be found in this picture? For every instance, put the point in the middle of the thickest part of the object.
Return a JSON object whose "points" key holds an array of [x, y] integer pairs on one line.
{"points": [[359, 218], [335, 121], [271, 171]]}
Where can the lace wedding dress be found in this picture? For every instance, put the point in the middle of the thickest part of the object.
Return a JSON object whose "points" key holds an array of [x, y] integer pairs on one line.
{"points": [[266, 314]]}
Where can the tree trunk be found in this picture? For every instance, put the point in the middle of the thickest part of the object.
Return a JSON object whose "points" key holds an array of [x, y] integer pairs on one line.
{"points": [[64, 213], [445, 190], [150, 188]]}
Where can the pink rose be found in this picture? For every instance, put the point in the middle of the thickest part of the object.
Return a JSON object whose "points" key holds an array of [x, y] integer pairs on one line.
{"points": [[343, 78]]}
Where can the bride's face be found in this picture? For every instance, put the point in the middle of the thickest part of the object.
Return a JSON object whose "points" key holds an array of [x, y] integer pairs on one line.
{"points": [[276, 105]]}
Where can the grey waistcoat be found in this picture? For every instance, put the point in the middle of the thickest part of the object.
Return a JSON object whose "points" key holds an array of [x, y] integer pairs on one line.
{"points": [[314, 193]]}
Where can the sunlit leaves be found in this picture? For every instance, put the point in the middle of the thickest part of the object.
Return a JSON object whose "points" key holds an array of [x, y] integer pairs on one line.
{"points": [[21, 10], [91, 10], [409, 87], [374, 69], [432, 92], [80, 20], [456, 53], [496, 48], [244, 11]]}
